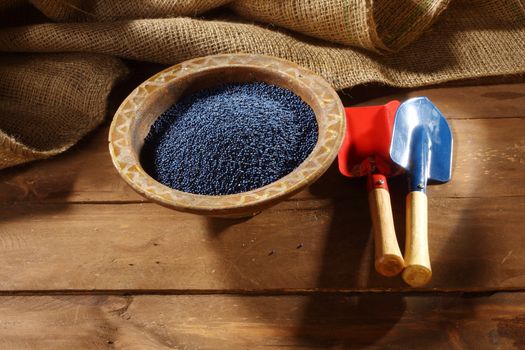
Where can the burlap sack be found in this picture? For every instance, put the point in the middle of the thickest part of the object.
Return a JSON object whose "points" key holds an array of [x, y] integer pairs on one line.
{"points": [[9, 4], [380, 25], [104, 10], [456, 48], [469, 39], [49, 101]]}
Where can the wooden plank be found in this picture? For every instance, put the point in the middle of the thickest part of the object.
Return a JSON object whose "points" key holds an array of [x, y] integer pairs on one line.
{"points": [[322, 244], [377, 321], [489, 161], [83, 174], [462, 102]]}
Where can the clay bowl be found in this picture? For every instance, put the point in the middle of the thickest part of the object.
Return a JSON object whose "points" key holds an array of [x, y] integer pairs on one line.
{"points": [[140, 109]]}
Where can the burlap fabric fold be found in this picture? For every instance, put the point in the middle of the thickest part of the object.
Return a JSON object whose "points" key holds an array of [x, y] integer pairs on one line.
{"points": [[49, 101], [403, 43]]}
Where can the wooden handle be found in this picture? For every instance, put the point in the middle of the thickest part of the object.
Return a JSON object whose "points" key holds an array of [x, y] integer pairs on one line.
{"points": [[388, 259], [417, 261]]}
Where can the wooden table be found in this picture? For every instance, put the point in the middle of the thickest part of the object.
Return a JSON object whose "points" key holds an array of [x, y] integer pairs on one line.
{"points": [[88, 264]]}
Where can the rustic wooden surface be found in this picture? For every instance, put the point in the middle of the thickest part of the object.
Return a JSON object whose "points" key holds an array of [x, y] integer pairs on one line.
{"points": [[89, 264], [392, 321]]}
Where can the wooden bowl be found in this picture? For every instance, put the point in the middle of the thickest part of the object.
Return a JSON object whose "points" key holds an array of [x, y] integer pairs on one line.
{"points": [[149, 100]]}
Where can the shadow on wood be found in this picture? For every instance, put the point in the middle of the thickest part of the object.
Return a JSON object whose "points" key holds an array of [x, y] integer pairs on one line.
{"points": [[348, 260], [216, 226]]}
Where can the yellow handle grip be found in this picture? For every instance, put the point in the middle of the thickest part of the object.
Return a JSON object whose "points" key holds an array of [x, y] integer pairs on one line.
{"points": [[417, 260], [388, 258]]}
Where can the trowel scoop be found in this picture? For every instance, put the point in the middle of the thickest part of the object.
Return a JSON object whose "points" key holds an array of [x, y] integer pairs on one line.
{"points": [[422, 145], [365, 152]]}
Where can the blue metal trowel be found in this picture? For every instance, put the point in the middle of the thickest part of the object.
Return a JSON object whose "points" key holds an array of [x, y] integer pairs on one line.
{"points": [[422, 145]]}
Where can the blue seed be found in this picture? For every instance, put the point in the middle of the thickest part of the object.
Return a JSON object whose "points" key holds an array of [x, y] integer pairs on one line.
{"points": [[230, 139]]}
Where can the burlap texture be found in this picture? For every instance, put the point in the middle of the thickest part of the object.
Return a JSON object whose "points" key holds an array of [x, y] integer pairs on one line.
{"points": [[352, 22], [8, 4], [104, 10], [347, 42], [49, 101]]}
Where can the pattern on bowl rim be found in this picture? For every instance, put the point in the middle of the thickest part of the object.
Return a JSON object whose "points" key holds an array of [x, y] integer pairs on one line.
{"points": [[323, 154]]}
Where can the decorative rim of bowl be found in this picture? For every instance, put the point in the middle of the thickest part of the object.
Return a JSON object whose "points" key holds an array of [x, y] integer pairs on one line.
{"points": [[308, 171]]}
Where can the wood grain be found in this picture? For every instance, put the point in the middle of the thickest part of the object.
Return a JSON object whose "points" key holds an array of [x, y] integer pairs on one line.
{"points": [[418, 270], [309, 244], [465, 102], [376, 321], [77, 245], [489, 155], [388, 258]]}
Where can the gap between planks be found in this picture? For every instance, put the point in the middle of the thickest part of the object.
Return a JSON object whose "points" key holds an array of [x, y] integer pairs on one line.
{"points": [[473, 292], [292, 199]]}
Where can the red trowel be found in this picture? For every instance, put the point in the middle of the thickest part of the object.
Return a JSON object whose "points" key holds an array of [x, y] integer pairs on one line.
{"points": [[366, 152]]}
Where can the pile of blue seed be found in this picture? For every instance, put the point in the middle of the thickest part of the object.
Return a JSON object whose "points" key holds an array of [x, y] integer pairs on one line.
{"points": [[230, 139]]}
